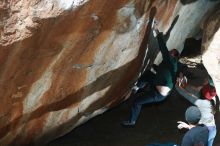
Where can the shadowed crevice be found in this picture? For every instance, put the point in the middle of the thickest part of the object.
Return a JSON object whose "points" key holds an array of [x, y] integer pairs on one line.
{"points": [[186, 2]]}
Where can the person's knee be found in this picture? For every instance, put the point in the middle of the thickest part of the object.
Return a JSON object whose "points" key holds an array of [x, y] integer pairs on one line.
{"points": [[160, 98], [137, 104]]}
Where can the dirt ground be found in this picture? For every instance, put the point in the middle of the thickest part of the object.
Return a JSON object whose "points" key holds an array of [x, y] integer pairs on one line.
{"points": [[157, 123]]}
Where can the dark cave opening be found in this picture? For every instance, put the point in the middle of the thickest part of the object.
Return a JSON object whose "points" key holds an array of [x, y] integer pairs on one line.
{"points": [[192, 47]]}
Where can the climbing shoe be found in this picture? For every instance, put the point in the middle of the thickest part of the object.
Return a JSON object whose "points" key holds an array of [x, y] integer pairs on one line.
{"points": [[128, 123]]}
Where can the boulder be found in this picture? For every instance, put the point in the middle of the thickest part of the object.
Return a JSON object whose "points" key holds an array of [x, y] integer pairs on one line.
{"points": [[65, 61]]}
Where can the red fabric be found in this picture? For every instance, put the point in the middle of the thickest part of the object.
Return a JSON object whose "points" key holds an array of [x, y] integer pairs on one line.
{"points": [[208, 92]]}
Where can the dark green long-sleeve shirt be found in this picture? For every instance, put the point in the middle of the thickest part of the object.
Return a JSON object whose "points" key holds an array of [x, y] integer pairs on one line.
{"points": [[167, 69]]}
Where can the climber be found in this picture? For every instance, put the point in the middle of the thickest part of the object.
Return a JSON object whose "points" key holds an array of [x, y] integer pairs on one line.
{"points": [[163, 81]]}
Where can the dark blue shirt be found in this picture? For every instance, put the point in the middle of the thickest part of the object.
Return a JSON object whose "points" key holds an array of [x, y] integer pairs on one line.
{"points": [[197, 136]]}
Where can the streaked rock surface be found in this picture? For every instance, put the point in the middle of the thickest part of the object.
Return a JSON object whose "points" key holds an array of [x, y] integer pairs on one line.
{"points": [[211, 47]]}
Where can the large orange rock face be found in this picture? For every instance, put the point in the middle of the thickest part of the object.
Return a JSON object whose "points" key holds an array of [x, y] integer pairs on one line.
{"points": [[64, 62]]}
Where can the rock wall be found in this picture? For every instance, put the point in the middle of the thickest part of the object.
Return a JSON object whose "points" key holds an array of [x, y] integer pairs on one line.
{"points": [[211, 47], [64, 62]]}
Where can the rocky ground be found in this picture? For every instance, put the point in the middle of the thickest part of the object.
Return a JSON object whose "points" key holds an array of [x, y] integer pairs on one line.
{"points": [[157, 123]]}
